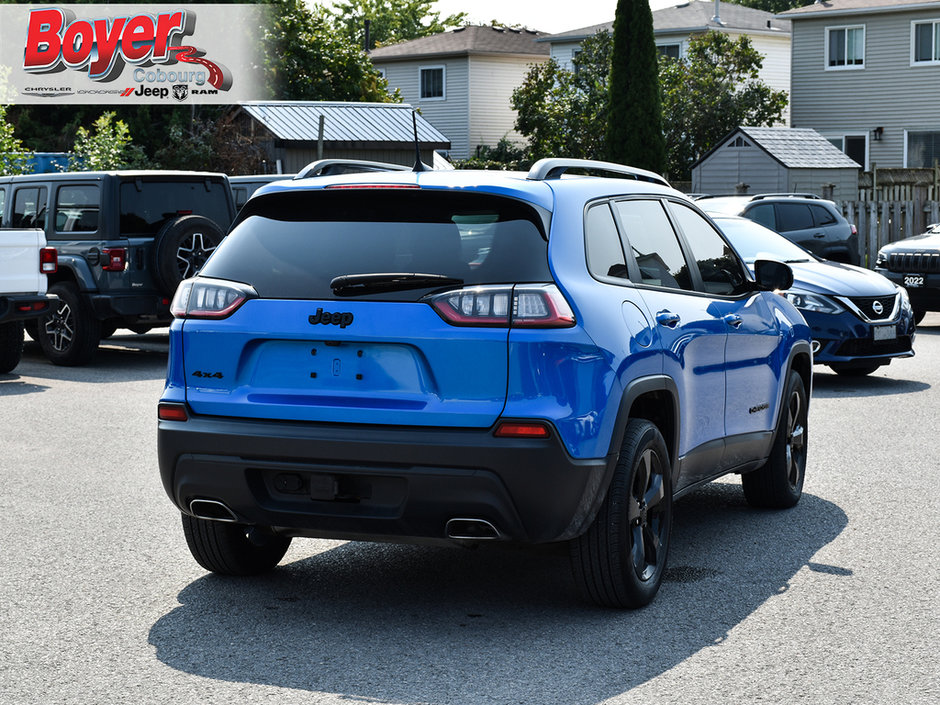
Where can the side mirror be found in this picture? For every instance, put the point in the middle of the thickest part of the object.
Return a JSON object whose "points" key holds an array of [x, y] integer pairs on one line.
{"points": [[772, 275]]}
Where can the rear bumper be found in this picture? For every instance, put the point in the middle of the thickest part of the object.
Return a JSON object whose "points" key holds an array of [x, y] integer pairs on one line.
{"points": [[379, 483], [154, 309], [22, 307]]}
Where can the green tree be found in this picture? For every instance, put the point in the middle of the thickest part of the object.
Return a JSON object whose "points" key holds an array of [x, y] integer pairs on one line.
{"points": [[634, 122], [308, 59], [14, 157], [108, 147], [712, 91], [771, 5], [559, 110], [391, 21]]}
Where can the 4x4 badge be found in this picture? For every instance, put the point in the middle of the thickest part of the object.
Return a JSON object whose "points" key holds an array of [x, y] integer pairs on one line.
{"points": [[342, 319]]}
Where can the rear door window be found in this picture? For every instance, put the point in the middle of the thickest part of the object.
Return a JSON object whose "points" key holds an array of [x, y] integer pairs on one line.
{"points": [[77, 209], [654, 244], [29, 207], [292, 245], [793, 216]]}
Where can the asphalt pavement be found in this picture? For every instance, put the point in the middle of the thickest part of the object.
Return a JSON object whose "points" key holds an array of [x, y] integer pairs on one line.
{"points": [[834, 601]]}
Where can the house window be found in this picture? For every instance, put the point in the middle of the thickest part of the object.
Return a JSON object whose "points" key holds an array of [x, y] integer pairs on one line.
{"points": [[432, 82], [925, 42], [854, 146], [923, 149], [670, 50], [845, 47]]}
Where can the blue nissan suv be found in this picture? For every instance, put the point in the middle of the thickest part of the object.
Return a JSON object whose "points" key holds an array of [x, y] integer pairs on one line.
{"points": [[465, 357]]}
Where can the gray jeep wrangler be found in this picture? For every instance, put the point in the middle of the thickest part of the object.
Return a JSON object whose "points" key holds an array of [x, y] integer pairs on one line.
{"points": [[125, 239]]}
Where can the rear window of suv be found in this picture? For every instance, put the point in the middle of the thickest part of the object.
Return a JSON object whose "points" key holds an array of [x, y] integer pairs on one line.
{"points": [[147, 205], [292, 245]]}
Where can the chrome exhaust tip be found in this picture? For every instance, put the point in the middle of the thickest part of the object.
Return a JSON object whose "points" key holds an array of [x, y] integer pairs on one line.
{"points": [[212, 510], [471, 530]]}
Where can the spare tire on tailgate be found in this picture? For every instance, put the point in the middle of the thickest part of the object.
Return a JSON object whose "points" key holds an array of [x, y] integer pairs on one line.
{"points": [[181, 248]]}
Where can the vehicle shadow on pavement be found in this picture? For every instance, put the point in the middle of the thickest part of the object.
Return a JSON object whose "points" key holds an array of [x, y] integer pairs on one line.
{"points": [[11, 384], [119, 359], [832, 386], [409, 624]]}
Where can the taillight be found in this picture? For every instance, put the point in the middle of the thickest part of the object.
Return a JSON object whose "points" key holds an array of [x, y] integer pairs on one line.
{"points": [[854, 229], [48, 260], [524, 305], [521, 429], [115, 259], [168, 411], [209, 298]]}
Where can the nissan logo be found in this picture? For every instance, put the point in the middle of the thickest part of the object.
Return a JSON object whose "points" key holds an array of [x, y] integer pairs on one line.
{"points": [[878, 308]]}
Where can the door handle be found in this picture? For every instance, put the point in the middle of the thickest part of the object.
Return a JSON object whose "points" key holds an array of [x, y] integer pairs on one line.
{"points": [[668, 319], [819, 235], [733, 320]]}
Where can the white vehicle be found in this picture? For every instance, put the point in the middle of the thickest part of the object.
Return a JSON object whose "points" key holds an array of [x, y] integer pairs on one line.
{"points": [[25, 263]]}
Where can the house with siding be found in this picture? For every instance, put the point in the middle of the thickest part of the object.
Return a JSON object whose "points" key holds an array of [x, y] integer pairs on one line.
{"points": [[866, 75], [462, 80], [776, 160], [673, 27]]}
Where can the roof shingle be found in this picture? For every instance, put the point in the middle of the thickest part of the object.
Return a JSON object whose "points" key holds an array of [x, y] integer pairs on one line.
{"points": [[472, 39]]}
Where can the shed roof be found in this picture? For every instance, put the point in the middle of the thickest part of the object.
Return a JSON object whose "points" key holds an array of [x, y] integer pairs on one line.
{"points": [[693, 16], [793, 147], [344, 122], [855, 7], [463, 41]]}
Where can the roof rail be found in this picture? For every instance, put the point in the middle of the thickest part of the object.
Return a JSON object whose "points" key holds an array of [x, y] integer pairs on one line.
{"points": [[759, 196], [328, 167], [545, 169]]}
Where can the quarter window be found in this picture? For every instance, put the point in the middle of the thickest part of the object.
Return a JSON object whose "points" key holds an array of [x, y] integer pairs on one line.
{"points": [[822, 215], [432, 82], [763, 214], [76, 209], [845, 47], [925, 44], [604, 252], [654, 244]]}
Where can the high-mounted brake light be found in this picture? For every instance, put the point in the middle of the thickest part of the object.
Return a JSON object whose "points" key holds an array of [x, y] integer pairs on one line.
{"points": [[168, 411], [516, 429], [48, 260], [372, 186], [209, 298], [523, 305]]}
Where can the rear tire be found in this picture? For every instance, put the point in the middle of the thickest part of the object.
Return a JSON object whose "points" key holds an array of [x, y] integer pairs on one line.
{"points": [[233, 549], [779, 483], [70, 334], [11, 345], [620, 560]]}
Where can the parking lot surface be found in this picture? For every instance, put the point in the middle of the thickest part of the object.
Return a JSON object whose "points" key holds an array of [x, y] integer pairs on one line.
{"points": [[834, 601]]}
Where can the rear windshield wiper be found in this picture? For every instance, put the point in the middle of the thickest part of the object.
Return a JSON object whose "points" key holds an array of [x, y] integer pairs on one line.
{"points": [[356, 284]]}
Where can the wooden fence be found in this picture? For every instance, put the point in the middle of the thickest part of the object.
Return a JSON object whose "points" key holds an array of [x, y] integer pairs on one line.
{"points": [[881, 222]]}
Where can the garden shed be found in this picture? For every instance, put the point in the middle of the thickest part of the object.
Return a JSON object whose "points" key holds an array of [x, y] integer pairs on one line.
{"points": [[287, 134], [776, 160]]}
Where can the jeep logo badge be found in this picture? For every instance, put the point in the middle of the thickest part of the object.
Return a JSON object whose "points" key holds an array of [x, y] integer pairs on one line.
{"points": [[331, 319]]}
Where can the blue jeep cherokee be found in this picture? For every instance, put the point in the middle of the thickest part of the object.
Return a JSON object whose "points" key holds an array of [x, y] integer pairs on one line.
{"points": [[477, 356]]}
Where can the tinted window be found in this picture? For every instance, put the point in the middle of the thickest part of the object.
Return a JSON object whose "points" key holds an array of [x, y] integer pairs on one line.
{"points": [[76, 209], [241, 195], [3, 198], [654, 244], [292, 245], [720, 268], [823, 216], [29, 208], [604, 252], [146, 206], [793, 216], [763, 214]]}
